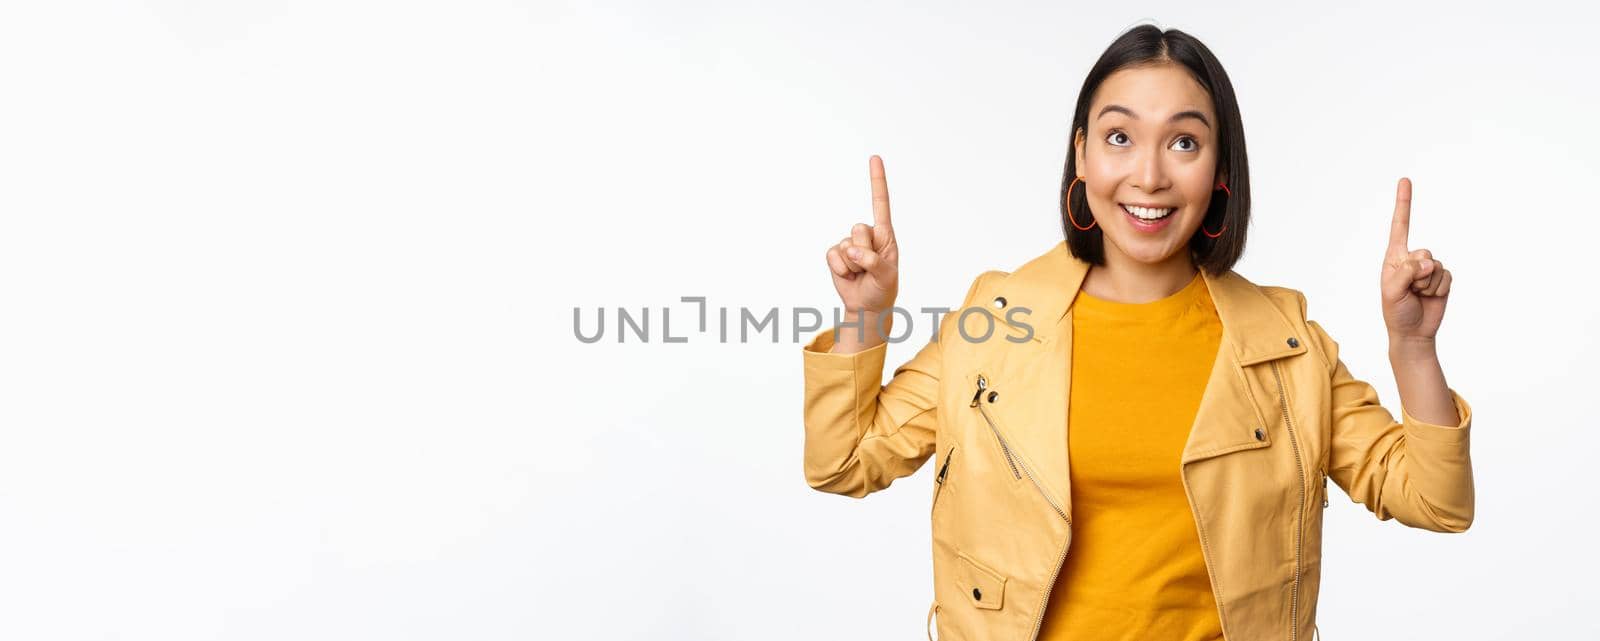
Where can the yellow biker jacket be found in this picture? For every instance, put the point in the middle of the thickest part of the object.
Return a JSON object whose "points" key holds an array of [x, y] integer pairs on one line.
{"points": [[1279, 417]]}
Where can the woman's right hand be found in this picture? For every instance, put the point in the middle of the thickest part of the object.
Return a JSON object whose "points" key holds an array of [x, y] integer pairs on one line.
{"points": [[866, 264]]}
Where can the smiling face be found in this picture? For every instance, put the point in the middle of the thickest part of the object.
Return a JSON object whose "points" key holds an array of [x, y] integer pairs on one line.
{"points": [[1149, 162]]}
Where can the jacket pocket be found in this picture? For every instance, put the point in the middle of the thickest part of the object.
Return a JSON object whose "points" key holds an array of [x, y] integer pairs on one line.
{"points": [[984, 588], [985, 395]]}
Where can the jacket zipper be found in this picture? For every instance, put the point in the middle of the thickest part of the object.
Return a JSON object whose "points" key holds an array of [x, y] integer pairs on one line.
{"points": [[977, 396], [1044, 601], [977, 401], [1294, 444], [939, 478], [1324, 490]]}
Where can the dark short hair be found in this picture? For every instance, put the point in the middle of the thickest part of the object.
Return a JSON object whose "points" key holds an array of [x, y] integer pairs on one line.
{"points": [[1146, 45]]}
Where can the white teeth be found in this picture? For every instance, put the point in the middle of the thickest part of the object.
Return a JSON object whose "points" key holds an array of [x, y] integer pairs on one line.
{"points": [[1147, 213]]}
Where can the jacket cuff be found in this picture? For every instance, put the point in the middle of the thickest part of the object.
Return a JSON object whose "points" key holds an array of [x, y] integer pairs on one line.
{"points": [[817, 356], [857, 377], [1440, 433]]}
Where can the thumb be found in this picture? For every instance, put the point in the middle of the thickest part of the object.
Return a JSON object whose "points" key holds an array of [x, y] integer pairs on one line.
{"points": [[1407, 271], [881, 270]]}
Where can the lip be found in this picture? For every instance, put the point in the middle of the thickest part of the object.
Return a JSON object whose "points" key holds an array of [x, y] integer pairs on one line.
{"points": [[1140, 225]]}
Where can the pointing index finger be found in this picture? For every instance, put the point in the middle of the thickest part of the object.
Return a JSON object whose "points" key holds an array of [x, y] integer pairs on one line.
{"points": [[880, 193], [1400, 228]]}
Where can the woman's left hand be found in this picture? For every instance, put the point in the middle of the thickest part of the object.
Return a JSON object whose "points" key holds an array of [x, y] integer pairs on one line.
{"points": [[1415, 284]]}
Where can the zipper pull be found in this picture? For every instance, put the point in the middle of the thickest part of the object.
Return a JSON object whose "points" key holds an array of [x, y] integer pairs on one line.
{"points": [[982, 385], [1324, 489], [946, 467]]}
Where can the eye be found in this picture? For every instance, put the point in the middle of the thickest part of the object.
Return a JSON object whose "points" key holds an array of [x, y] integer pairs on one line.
{"points": [[1115, 135], [1192, 144]]}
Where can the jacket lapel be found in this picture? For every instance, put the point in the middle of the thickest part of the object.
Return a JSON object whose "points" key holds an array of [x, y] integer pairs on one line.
{"points": [[1234, 405], [1254, 331]]}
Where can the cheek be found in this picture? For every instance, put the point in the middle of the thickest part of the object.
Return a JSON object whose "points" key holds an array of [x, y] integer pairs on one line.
{"points": [[1103, 175], [1195, 183]]}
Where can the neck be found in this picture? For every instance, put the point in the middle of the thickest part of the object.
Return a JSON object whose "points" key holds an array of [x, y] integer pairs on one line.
{"points": [[1126, 280]]}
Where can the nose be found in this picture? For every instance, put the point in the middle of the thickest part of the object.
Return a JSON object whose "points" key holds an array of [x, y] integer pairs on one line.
{"points": [[1149, 175]]}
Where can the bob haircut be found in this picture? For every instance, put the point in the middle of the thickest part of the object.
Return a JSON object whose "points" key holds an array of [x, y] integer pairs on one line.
{"points": [[1146, 45]]}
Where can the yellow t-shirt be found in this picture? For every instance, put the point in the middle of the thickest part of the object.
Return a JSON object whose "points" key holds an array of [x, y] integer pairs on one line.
{"points": [[1135, 569]]}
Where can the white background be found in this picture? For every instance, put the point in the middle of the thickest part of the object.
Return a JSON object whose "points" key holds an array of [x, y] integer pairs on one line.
{"points": [[287, 292]]}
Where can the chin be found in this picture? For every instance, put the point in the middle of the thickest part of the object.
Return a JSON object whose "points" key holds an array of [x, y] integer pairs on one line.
{"points": [[1150, 254]]}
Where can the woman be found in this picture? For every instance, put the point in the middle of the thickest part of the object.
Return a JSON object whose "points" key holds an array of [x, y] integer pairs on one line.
{"points": [[1206, 412]]}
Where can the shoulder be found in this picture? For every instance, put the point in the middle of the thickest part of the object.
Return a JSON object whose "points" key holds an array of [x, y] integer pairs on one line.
{"points": [[1038, 281], [982, 284], [1290, 301]]}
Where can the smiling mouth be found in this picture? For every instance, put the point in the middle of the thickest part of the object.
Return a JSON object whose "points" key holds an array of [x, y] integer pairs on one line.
{"points": [[1147, 214]]}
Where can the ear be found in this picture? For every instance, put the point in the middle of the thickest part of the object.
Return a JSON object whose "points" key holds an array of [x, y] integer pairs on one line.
{"points": [[1078, 139], [1222, 175]]}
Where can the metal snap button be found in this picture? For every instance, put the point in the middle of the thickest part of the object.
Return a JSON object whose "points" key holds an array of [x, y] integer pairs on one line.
{"points": [[1261, 435], [1293, 342], [977, 594], [993, 395], [999, 302]]}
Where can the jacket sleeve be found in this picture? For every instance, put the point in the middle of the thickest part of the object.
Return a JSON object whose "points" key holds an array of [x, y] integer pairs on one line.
{"points": [[1415, 472], [861, 434]]}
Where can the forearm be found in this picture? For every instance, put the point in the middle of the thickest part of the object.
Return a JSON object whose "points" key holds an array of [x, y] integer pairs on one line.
{"points": [[860, 331], [1423, 391]]}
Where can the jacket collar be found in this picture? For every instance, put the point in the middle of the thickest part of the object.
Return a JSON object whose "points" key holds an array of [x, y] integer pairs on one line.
{"points": [[1252, 325]]}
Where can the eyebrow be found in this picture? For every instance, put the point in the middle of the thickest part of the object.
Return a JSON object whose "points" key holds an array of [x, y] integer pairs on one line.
{"points": [[1175, 117]]}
